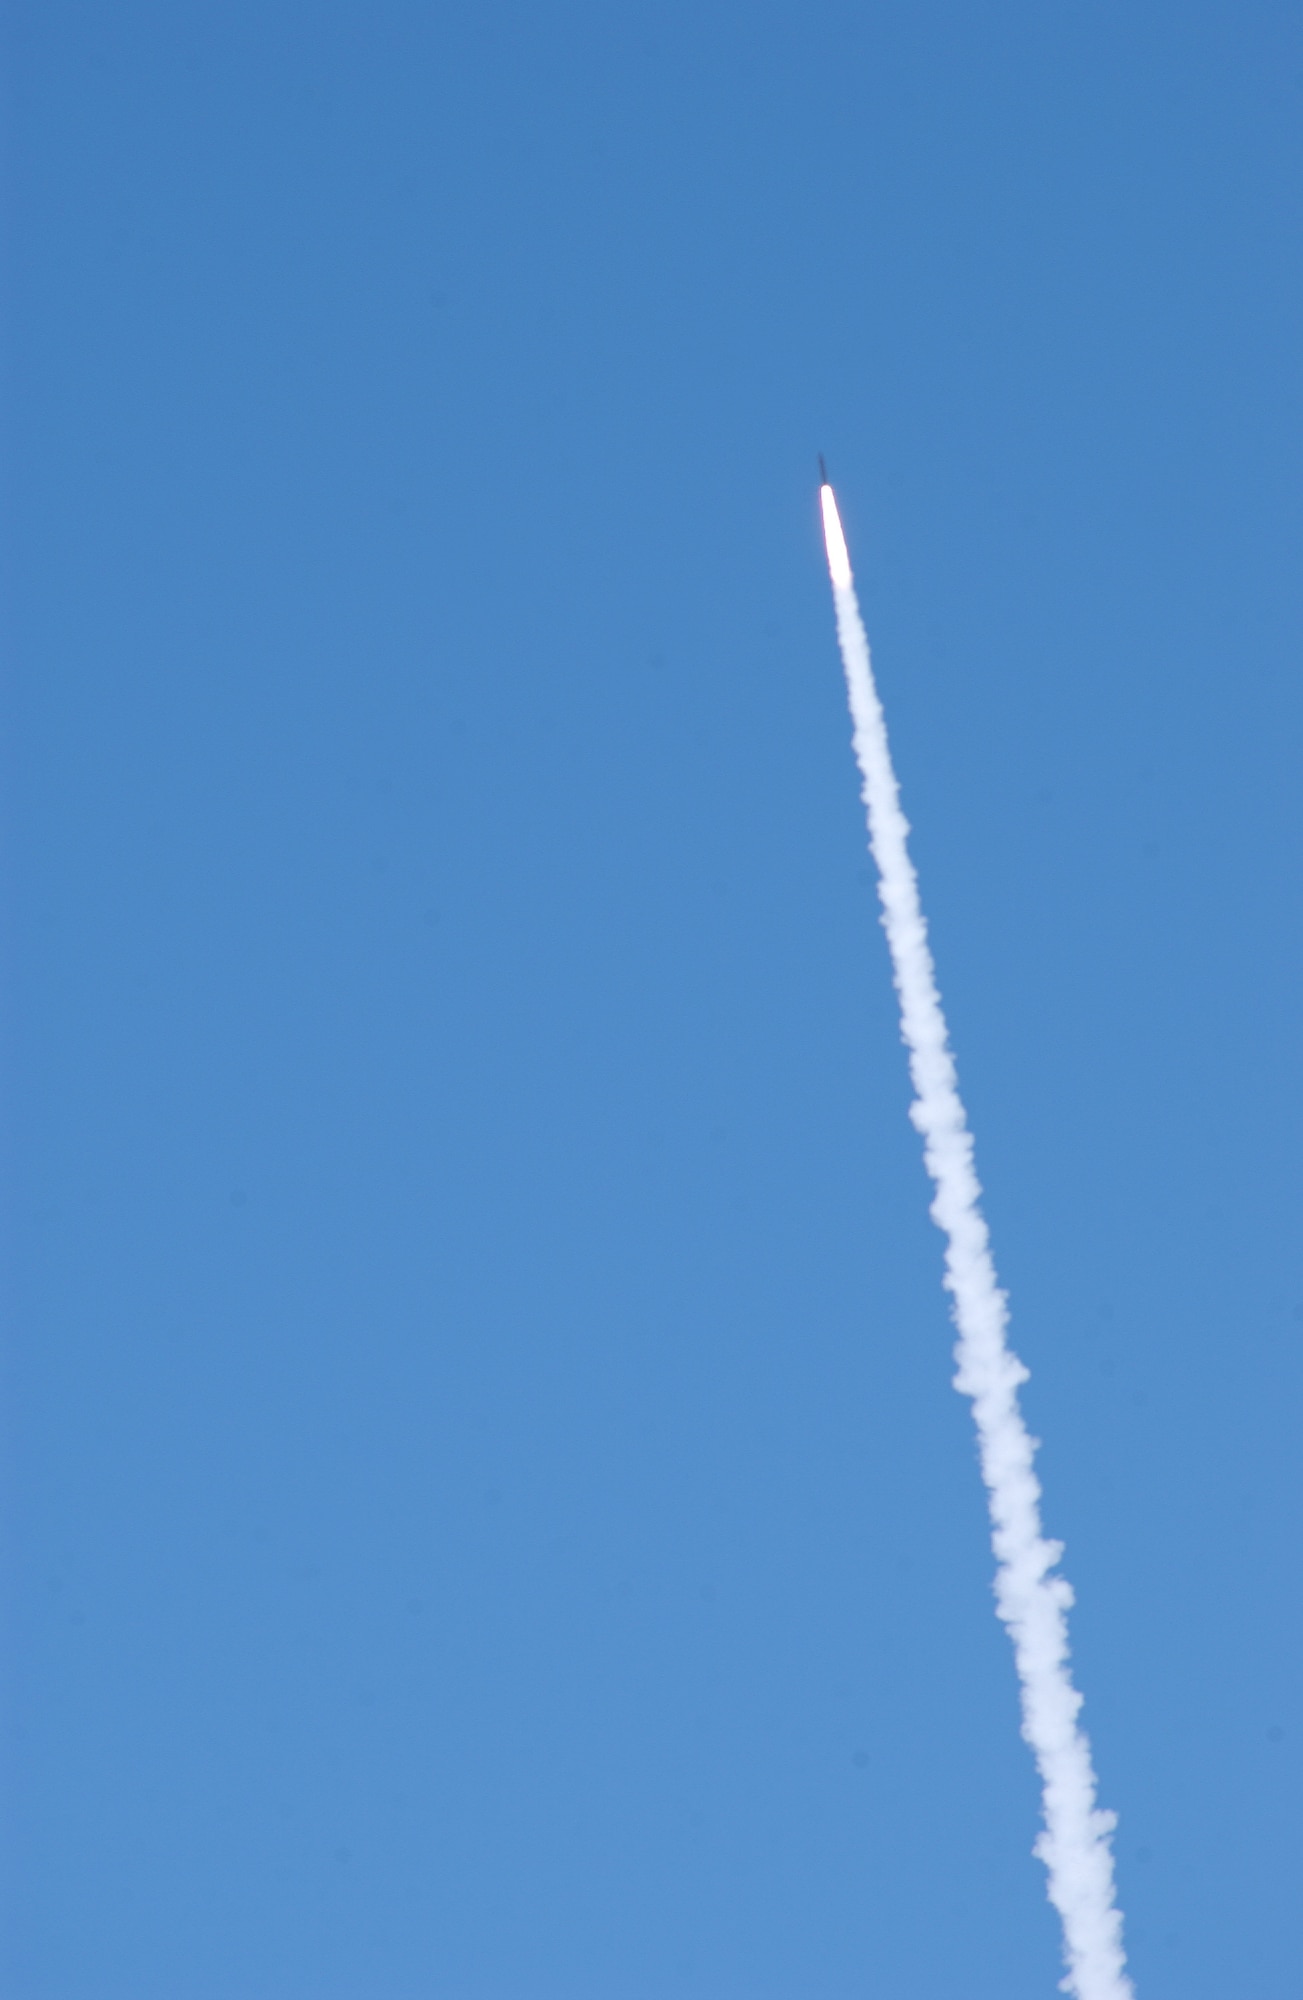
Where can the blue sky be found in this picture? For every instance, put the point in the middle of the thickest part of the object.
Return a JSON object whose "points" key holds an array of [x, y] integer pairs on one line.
{"points": [[485, 1512]]}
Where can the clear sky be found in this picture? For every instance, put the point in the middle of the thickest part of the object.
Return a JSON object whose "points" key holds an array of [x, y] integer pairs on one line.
{"points": [[485, 1513]]}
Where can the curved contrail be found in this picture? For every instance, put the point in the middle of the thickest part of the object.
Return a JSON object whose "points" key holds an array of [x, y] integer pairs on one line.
{"points": [[1075, 1841]]}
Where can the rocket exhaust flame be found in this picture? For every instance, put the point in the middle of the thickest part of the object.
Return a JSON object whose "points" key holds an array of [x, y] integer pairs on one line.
{"points": [[839, 562], [1031, 1600]]}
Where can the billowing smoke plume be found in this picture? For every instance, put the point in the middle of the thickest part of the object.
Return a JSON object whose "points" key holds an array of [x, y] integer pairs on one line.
{"points": [[1032, 1601]]}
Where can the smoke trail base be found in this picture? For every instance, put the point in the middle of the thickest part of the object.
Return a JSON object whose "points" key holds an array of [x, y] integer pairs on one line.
{"points": [[1030, 1598]]}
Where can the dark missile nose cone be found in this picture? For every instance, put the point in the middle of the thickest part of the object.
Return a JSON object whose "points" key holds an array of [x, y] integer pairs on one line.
{"points": [[823, 472]]}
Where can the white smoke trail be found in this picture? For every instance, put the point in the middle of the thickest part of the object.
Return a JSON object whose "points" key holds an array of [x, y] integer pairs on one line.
{"points": [[1075, 1842]]}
